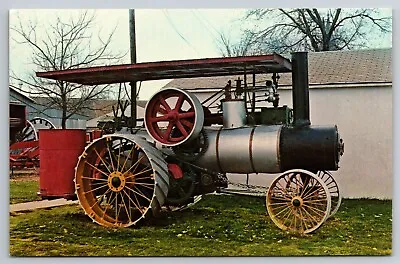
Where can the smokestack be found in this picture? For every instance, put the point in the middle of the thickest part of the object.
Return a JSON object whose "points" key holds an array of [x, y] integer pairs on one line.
{"points": [[301, 100]]}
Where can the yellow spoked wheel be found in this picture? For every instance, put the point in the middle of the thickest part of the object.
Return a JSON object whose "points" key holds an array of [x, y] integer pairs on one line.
{"points": [[298, 201], [120, 179]]}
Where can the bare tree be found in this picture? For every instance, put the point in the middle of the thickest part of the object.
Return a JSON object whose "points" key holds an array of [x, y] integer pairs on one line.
{"points": [[288, 30], [66, 44]]}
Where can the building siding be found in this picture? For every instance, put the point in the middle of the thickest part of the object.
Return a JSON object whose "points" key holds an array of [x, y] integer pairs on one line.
{"points": [[53, 115]]}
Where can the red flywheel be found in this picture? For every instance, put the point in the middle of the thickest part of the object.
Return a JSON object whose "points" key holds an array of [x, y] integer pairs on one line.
{"points": [[173, 116]]}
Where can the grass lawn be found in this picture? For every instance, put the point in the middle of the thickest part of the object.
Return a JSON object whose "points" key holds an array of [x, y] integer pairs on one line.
{"points": [[219, 225], [24, 190]]}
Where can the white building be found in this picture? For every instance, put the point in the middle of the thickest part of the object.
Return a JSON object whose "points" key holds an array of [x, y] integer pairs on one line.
{"points": [[352, 89]]}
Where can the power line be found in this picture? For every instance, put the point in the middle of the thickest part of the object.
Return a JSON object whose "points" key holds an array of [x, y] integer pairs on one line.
{"points": [[208, 22], [201, 21], [177, 31]]}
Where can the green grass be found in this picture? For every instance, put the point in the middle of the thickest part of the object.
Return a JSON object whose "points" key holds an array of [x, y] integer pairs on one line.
{"points": [[24, 191], [216, 226]]}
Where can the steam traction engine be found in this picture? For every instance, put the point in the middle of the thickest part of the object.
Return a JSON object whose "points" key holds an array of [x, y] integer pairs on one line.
{"points": [[185, 150]]}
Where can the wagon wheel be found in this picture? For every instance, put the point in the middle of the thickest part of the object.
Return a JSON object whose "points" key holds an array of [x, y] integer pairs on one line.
{"points": [[298, 201], [173, 117], [333, 188], [28, 133], [31, 131], [120, 179], [41, 123]]}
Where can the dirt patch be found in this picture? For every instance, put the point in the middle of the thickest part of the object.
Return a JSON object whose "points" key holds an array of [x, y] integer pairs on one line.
{"points": [[24, 175], [25, 178]]}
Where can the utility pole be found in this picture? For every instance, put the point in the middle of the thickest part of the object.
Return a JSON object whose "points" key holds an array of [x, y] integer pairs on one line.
{"points": [[132, 40]]}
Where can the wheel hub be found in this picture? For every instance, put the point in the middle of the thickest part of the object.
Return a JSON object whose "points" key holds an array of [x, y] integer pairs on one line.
{"points": [[173, 116], [297, 201], [116, 181]]}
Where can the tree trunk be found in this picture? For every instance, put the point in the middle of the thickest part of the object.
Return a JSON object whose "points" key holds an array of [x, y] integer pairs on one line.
{"points": [[64, 111], [64, 120]]}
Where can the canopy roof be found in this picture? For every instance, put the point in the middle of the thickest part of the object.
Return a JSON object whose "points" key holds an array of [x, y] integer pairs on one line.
{"points": [[172, 69]]}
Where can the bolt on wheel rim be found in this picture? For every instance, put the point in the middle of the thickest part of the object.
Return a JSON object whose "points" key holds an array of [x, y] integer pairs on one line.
{"points": [[333, 187], [298, 201], [115, 182]]}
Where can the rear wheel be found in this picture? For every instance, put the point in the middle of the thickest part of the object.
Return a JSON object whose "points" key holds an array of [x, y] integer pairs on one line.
{"points": [[120, 179]]}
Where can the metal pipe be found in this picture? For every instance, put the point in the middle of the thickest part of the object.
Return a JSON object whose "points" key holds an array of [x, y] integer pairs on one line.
{"points": [[300, 91], [132, 35]]}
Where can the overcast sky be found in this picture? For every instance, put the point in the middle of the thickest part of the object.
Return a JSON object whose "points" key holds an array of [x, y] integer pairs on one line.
{"points": [[161, 34]]}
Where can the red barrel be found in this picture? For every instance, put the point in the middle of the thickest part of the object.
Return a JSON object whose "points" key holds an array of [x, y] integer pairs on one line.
{"points": [[59, 151]]}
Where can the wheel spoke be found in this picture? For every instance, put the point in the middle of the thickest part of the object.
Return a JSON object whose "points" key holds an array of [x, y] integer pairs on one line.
{"points": [[167, 133], [135, 164], [139, 173], [287, 203], [165, 104], [310, 194], [145, 177], [302, 224], [96, 168], [130, 152], [286, 208], [140, 194], [161, 110], [91, 178], [310, 215], [312, 201], [280, 187], [145, 185], [109, 152], [119, 153], [307, 190], [285, 216], [107, 205], [181, 128], [186, 123], [116, 207], [158, 119], [179, 102], [186, 115], [102, 161], [314, 209], [126, 209], [136, 205], [101, 197], [95, 189]]}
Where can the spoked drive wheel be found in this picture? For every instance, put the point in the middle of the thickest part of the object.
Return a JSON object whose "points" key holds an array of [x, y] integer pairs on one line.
{"points": [[298, 201], [173, 117], [120, 179], [333, 188]]}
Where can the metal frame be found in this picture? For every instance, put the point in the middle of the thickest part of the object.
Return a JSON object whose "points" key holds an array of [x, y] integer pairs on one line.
{"points": [[272, 63]]}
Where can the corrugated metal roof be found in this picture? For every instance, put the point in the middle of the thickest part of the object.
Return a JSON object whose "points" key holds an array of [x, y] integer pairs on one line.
{"points": [[324, 68]]}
